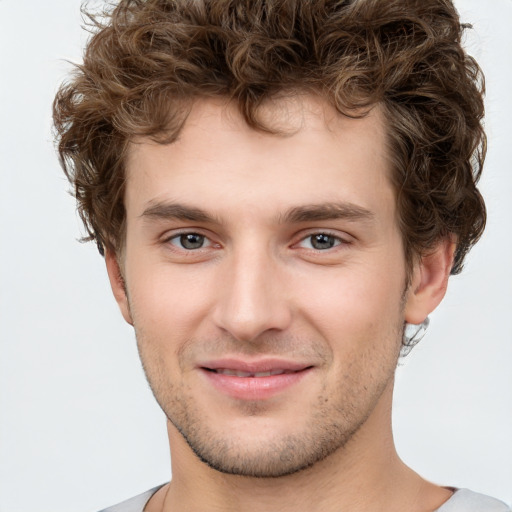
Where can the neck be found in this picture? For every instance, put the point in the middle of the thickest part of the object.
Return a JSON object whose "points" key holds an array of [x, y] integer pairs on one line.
{"points": [[365, 474]]}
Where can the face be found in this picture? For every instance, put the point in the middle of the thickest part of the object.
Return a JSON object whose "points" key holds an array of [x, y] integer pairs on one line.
{"points": [[265, 280]]}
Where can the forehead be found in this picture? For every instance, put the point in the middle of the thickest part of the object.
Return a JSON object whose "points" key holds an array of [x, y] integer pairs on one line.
{"points": [[314, 155]]}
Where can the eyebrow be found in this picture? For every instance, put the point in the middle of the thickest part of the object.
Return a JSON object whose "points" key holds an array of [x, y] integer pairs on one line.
{"points": [[295, 215], [177, 211], [326, 211]]}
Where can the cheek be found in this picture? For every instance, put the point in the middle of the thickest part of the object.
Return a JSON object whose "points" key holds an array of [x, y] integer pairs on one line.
{"points": [[362, 298], [168, 302], [358, 314]]}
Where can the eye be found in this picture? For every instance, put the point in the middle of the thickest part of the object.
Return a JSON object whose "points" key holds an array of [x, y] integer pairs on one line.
{"points": [[190, 241], [320, 241]]}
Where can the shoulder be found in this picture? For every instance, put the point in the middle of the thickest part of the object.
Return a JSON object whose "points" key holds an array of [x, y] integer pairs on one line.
{"points": [[135, 504], [464, 500]]}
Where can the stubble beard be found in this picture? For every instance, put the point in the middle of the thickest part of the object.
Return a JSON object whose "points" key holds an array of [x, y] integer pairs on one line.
{"points": [[274, 458], [334, 421]]}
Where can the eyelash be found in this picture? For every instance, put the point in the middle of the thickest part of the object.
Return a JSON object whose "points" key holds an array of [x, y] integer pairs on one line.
{"points": [[335, 241], [180, 236]]}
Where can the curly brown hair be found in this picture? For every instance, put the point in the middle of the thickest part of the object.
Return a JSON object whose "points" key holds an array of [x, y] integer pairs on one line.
{"points": [[147, 60]]}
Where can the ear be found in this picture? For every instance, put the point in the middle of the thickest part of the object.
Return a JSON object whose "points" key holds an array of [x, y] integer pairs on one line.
{"points": [[118, 285], [429, 281]]}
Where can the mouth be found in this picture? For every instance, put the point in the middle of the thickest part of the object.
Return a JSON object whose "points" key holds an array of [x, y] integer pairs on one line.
{"points": [[240, 373], [258, 380]]}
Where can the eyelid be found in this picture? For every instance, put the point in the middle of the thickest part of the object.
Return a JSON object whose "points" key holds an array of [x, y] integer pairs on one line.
{"points": [[206, 241], [173, 234], [344, 238]]}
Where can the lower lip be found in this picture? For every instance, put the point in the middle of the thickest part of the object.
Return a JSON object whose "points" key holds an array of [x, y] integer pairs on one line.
{"points": [[254, 388]]}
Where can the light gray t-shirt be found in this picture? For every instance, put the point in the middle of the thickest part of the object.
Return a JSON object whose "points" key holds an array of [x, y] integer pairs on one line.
{"points": [[462, 500]]}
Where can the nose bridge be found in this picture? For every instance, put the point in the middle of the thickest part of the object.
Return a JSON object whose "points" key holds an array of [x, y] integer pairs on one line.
{"points": [[252, 298]]}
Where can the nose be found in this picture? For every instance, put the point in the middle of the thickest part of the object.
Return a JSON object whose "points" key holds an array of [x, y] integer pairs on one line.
{"points": [[252, 297]]}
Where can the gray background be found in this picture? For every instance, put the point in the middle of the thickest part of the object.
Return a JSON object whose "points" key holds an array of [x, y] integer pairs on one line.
{"points": [[79, 429]]}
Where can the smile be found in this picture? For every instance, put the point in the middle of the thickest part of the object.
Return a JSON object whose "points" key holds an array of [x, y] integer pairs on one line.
{"points": [[253, 380], [239, 373]]}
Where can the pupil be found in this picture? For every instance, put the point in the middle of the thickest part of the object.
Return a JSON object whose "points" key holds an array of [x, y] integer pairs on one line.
{"points": [[322, 241], [192, 241]]}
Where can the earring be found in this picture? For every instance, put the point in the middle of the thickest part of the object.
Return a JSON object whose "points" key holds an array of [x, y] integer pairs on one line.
{"points": [[413, 334]]}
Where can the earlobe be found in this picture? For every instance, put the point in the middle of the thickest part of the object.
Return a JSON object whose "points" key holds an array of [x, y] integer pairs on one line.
{"points": [[118, 285], [429, 281]]}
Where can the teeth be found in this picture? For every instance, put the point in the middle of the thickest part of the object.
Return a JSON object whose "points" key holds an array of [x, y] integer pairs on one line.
{"points": [[237, 373], [264, 374]]}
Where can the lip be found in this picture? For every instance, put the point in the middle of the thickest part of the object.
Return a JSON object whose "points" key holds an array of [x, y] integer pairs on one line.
{"points": [[252, 387]]}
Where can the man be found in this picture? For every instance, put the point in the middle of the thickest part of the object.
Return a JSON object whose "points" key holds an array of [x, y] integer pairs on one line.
{"points": [[281, 190]]}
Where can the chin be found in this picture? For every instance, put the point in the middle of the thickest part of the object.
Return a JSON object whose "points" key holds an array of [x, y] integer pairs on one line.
{"points": [[251, 453]]}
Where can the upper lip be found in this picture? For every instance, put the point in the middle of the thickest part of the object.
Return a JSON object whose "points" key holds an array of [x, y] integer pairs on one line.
{"points": [[262, 365]]}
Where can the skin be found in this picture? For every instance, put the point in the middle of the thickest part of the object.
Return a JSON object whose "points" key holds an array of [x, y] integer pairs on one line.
{"points": [[257, 285]]}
